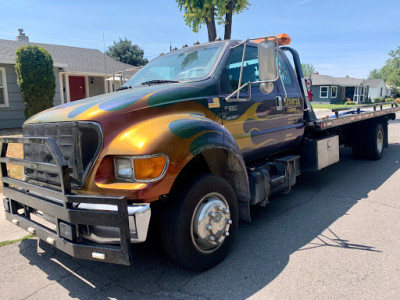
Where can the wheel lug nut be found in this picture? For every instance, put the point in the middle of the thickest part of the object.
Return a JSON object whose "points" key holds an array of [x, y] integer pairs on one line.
{"points": [[226, 211], [229, 221], [208, 227], [212, 214], [211, 238], [226, 233], [219, 208], [219, 240]]}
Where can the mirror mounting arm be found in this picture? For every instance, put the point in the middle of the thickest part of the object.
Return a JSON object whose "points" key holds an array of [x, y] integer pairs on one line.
{"points": [[241, 68], [238, 99]]}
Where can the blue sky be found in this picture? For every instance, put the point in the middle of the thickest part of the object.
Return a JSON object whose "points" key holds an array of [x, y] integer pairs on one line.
{"points": [[338, 37]]}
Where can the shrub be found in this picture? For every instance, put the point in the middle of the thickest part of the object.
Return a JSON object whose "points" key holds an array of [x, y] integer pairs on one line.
{"points": [[368, 101], [349, 102], [35, 77], [378, 100], [389, 100], [397, 100]]}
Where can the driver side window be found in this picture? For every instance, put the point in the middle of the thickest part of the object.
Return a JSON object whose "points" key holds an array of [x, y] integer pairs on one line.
{"points": [[231, 73]]}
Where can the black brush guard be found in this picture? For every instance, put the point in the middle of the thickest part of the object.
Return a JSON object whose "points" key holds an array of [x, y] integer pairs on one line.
{"points": [[60, 203]]}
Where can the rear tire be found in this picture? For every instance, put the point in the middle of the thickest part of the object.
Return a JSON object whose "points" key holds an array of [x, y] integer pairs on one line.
{"points": [[199, 227], [375, 141]]}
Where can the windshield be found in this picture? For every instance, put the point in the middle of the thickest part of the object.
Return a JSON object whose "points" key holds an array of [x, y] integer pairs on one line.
{"points": [[186, 64]]}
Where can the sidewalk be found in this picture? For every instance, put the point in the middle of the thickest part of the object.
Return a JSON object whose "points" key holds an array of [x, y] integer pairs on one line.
{"points": [[9, 231]]}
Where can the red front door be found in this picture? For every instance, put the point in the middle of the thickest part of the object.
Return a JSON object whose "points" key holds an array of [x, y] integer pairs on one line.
{"points": [[77, 87]]}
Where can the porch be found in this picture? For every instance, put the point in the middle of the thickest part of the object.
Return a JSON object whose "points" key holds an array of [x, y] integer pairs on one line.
{"points": [[75, 86], [357, 94]]}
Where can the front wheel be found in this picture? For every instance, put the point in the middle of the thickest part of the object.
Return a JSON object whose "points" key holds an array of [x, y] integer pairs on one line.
{"points": [[200, 226]]}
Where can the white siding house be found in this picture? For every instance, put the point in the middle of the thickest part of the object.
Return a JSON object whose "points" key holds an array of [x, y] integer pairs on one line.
{"points": [[378, 89]]}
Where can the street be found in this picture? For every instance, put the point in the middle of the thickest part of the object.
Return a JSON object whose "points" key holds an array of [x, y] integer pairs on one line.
{"points": [[335, 235]]}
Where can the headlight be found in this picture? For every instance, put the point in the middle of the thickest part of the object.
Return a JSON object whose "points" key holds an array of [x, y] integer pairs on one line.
{"points": [[145, 168], [123, 168]]}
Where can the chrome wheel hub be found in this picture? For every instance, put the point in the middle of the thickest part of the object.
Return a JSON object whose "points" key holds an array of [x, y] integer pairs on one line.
{"points": [[210, 222], [379, 141]]}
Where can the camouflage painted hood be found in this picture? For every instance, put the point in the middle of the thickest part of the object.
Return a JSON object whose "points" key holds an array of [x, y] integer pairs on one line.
{"points": [[114, 104]]}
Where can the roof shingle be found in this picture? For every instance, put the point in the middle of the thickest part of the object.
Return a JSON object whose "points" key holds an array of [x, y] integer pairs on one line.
{"points": [[330, 80], [75, 60]]}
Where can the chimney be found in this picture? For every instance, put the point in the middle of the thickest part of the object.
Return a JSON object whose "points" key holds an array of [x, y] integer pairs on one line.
{"points": [[21, 36]]}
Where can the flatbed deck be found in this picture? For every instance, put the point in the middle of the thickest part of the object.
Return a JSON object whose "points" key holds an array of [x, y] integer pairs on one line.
{"points": [[343, 116]]}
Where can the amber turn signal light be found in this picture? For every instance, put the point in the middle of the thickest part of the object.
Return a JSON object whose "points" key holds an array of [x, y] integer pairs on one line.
{"points": [[149, 168]]}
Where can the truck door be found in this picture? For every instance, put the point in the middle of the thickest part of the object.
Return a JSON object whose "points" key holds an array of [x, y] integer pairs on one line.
{"points": [[255, 124], [293, 103]]}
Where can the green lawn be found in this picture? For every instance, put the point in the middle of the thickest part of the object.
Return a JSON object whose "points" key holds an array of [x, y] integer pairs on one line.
{"points": [[334, 106], [329, 106], [5, 243]]}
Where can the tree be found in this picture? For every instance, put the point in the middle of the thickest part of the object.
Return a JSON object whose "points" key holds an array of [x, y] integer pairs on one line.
{"points": [[390, 72], [375, 74], [126, 52], [200, 12], [308, 69], [35, 77]]}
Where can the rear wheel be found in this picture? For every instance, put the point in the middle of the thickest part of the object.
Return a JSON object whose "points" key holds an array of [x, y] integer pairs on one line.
{"points": [[199, 227], [375, 141]]}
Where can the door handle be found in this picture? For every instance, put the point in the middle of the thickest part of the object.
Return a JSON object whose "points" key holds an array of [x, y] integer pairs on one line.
{"points": [[279, 103]]}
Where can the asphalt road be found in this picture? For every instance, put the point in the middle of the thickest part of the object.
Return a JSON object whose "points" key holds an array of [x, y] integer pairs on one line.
{"points": [[336, 235]]}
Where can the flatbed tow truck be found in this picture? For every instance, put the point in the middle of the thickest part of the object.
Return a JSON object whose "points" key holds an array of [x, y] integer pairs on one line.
{"points": [[194, 139]]}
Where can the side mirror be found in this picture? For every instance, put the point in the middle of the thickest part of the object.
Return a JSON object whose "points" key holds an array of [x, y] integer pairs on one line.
{"points": [[268, 61]]}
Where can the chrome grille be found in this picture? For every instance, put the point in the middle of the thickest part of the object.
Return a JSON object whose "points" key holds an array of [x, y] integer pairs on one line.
{"points": [[79, 142]]}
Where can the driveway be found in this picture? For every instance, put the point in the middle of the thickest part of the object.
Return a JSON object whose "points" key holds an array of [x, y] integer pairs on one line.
{"points": [[336, 235]]}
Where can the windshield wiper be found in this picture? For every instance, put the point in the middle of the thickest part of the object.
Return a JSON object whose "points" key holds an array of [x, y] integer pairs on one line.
{"points": [[125, 87], [157, 81]]}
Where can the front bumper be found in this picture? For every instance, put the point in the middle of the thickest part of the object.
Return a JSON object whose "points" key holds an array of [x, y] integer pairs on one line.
{"points": [[138, 217], [85, 226]]}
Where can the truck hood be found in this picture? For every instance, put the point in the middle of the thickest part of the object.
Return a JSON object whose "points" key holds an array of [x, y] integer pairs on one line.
{"points": [[109, 106]]}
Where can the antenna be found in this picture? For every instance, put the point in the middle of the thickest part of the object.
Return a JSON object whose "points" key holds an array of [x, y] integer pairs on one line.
{"points": [[105, 62]]}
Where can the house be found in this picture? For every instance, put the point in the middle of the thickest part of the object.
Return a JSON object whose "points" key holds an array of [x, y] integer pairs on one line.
{"points": [[378, 89], [332, 90], [79, 73], [337, 89]]}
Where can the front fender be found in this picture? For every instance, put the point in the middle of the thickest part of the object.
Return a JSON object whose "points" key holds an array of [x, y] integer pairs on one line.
{"points": [[179, 135]]}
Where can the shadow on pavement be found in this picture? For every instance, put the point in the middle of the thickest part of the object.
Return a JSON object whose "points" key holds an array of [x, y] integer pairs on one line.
{"points": [[293, 222]]}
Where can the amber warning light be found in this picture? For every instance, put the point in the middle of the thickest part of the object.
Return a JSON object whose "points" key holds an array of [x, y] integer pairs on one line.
{"points": [[283, 38]]}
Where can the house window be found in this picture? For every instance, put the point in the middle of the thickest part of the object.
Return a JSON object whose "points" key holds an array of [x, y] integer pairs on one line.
{"points": [[3, 88], [361, 94], [334, 92], [323, 92], [356, 94]]}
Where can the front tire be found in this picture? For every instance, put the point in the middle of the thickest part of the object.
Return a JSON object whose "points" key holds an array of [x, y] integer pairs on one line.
{"points": [[199, 227]]}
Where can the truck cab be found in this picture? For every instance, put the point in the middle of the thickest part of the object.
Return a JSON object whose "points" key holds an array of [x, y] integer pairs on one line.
{"points": [[263, 122]]}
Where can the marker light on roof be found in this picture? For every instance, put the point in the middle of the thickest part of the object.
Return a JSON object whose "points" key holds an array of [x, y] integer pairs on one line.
{"points": [[283, 38]]}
